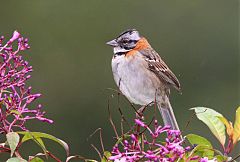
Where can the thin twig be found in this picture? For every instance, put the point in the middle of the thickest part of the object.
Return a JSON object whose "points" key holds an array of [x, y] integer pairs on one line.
{"points": [[122, 131], [95, 148], [122, 116], [53, 157], [190, 119], [111, 121], [119, 92], [147, 126], [100, 137], [238, 156]]}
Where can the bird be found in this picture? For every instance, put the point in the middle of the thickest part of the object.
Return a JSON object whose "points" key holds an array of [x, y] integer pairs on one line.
{"points": [[141, 74]]}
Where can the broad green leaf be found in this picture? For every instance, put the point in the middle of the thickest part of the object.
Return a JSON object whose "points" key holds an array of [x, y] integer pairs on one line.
{"points": [[106, 154], [13, 140], [206, 150], [199, 150], [38, 140], [36, 135], [198, 140], [220, 158], [16, 159], [36, 159], [210, 118], [236, 129], [228, 126]]}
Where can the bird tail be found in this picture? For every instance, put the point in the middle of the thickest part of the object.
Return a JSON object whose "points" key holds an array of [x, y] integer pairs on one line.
{"points": [[167, 113]]}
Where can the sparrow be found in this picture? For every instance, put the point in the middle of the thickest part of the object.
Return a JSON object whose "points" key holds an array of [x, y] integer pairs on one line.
{"points": [[141, 74]]}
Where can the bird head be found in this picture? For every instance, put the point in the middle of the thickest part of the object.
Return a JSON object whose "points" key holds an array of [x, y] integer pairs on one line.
{"points": [[125, 42]]}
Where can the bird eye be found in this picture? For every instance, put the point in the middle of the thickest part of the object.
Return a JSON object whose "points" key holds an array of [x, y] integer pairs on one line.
{"points": [[125, 41]]}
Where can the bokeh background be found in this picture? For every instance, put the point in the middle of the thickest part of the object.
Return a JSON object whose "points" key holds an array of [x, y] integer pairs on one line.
{"points": [[198, 40]]}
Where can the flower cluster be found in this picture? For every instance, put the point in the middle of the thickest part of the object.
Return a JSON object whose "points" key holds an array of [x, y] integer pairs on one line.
{"points": [[142, 147], [15, 95], [205, 159]]}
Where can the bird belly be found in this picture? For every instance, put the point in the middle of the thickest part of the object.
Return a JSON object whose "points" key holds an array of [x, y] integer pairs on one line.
{"points": [[134, 80]]}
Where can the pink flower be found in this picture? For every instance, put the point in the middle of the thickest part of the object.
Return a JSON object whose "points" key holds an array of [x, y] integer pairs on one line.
{"points": [[145, 144], [15, 96], [205, 159], [15, 36]]}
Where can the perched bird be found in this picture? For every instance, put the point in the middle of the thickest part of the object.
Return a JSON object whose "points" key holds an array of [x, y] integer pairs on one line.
{"points": [[141, 74]]}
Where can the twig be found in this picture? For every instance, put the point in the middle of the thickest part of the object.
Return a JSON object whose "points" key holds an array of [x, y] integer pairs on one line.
{"points": [[111, 121], [100, 137], [238, 156], [190, 119], [122, 130], [119, 92], [147, 125], [53, 157], [95, 148], [122, 116]]}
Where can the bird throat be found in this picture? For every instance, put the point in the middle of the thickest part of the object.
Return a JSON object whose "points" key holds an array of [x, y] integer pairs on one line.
{"points": [[118, 51]]}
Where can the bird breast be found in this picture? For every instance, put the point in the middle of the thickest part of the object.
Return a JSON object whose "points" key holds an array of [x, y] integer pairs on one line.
{"points": [[134, 79]]}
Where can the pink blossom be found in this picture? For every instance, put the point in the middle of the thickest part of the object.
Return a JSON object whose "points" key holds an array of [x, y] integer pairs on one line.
{"points": [[15, 96]]}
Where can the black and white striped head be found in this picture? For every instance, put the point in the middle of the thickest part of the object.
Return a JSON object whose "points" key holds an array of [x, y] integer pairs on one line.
{"points": [[125, 42]]}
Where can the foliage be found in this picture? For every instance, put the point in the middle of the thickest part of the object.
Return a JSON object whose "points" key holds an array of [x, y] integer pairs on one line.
{"points": [[217, 123]]}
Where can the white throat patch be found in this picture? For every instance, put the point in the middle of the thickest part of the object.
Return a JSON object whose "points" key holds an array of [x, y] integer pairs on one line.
{"points": [[119, 49]]}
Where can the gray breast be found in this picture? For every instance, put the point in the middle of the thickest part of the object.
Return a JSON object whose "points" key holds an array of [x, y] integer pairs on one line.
{"points": [[135, 81]]}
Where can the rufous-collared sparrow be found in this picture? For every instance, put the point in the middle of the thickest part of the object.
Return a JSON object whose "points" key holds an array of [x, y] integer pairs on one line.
{"points": [[141, 74]]}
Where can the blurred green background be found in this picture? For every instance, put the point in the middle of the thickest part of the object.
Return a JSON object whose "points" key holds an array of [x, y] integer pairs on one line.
{"points": [[197, 38]]}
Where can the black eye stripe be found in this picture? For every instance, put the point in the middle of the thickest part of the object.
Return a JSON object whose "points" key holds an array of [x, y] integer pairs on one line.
{"points": [[120, 53], [128, 48], [129, 41], [132, 41]]}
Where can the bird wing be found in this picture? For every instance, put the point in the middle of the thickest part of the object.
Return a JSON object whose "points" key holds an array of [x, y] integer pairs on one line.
{"points": [[159, 67]]}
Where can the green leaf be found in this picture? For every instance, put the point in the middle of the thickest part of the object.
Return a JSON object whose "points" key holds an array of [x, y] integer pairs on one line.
{"points": [[228, 126], [236, 129], [198, 140], [220, 158], [36, 159], [37, 135], [13, 140], [201, 141], [106, 154], [38, 140], [16, 159], [211, 118], [199, 150]]}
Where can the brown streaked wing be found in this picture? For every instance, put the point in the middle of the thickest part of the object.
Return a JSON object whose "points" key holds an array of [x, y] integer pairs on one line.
{"points": [[159, 67]]}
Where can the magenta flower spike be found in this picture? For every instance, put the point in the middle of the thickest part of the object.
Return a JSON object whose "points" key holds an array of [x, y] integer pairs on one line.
{"points": [[15, 96], [138, 148]]}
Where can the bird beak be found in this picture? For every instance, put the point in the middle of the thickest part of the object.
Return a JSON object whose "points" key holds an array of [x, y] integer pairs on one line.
{"points": [[112, 43]]}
